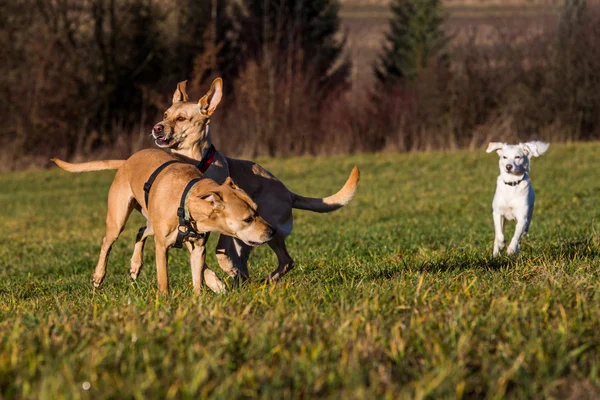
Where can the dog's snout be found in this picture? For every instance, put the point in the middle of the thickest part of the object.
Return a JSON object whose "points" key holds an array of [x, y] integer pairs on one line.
{"points": [[509, 167], [158, 128], [269, 233]]}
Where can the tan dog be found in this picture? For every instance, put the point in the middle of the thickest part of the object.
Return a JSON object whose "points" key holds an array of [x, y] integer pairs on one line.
{"points": [[185, 130], [212, 207]]}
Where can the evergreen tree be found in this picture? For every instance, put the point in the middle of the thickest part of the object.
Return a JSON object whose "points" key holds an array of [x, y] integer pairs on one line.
{"points": [[415, 37]]}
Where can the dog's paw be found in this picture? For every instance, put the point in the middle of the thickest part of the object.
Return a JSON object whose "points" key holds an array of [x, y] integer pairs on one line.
{"points": [[512, 251], [97, 279], [133, 274], [498, 245], [213, 282]]}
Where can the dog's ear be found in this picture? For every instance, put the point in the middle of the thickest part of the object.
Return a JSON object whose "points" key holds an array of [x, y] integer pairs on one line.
{"points": [[180, 93], [209, 102], [495, 146], [214, 199], [535, 149], [206, 205], [229, 182]]}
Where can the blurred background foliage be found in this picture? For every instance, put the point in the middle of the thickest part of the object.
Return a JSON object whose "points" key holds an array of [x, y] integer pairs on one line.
{"points": [[87, 79]]}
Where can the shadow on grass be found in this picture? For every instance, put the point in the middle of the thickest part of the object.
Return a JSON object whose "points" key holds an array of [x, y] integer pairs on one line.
{"points": [[575, 249], [467, 261], [564, 251]]}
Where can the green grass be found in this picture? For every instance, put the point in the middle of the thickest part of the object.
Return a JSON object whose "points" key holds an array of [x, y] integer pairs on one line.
{"points": [[395, 295]]}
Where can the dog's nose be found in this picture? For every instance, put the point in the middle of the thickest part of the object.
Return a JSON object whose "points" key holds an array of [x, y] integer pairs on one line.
{"points": [[158, 128], [271, 231], [508, 167]]}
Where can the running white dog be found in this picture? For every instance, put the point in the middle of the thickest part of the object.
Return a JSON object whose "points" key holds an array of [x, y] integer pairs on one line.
{"points": [[514, 196]]}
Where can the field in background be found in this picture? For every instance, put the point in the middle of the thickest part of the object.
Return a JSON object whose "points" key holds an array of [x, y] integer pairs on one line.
{"points": [[396, 294], [366, 22]]}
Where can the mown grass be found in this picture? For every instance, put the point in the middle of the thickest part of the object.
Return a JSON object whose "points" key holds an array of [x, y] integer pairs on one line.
{"points": [[395, 295]]}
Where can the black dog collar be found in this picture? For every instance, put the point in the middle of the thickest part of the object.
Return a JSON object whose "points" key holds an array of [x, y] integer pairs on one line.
{"points": [[515, 183]]}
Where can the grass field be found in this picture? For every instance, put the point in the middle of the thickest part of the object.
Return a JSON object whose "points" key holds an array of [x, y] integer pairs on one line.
{"points": [[395, 295]]}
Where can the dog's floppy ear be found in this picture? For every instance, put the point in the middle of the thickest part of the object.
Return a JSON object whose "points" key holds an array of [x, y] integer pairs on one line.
{"points": [[180, 93], [209, 102], [495, 146], [205, 205], [214, 199], [536, 149]]}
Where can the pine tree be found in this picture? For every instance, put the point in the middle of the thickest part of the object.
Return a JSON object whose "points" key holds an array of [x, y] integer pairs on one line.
{"points": [[415, 37]]}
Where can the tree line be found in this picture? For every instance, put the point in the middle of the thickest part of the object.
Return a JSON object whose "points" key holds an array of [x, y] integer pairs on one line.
{"points": [[88, 78]]}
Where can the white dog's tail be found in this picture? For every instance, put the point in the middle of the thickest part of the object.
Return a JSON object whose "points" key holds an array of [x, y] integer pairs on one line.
{"points": [[89, 166], [331, 203]]}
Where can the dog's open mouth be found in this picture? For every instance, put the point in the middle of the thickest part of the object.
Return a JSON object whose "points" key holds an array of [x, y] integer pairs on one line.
{"points": [[252, 243], [162, 141]]}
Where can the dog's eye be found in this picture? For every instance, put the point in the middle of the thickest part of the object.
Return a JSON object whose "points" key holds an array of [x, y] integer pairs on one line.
{"points": [[165, 115], [248, 220], [517, 157], [504, 157], [180, 119]]}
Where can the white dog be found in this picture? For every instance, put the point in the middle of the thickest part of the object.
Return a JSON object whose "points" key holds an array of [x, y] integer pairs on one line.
{"points": [[514, 196]]}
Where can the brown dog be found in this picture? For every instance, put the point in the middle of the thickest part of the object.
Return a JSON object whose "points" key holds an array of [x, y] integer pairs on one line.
{"points": [[185, 130], [209, 206]]}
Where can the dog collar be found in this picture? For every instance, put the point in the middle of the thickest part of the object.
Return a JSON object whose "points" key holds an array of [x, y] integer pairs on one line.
{"points": [[515, 183], [207, 159]]}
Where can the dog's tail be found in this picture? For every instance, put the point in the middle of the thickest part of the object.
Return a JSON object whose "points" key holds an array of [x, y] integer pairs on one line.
{"points": [[331, 203], [89, 166]]}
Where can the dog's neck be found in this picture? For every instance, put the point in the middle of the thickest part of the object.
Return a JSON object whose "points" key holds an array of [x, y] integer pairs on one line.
{"points": [[512, 179], [199, 148]]}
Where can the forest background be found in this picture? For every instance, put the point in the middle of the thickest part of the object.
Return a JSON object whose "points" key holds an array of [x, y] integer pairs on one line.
{"points": [[88, 79]]}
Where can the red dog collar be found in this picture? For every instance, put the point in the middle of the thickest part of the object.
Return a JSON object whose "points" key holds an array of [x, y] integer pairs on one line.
{"points": [[207, 159]]}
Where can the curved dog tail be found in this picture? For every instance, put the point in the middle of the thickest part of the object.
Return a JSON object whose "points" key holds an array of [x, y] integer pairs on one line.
{"points": [[331, 203], [89, 166]]}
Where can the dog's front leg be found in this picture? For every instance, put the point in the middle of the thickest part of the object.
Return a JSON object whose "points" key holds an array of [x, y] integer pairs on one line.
{"points": [[499, 233], [513, 247], [161, 266], [200, 272], [197, 262], [197, 250]]}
